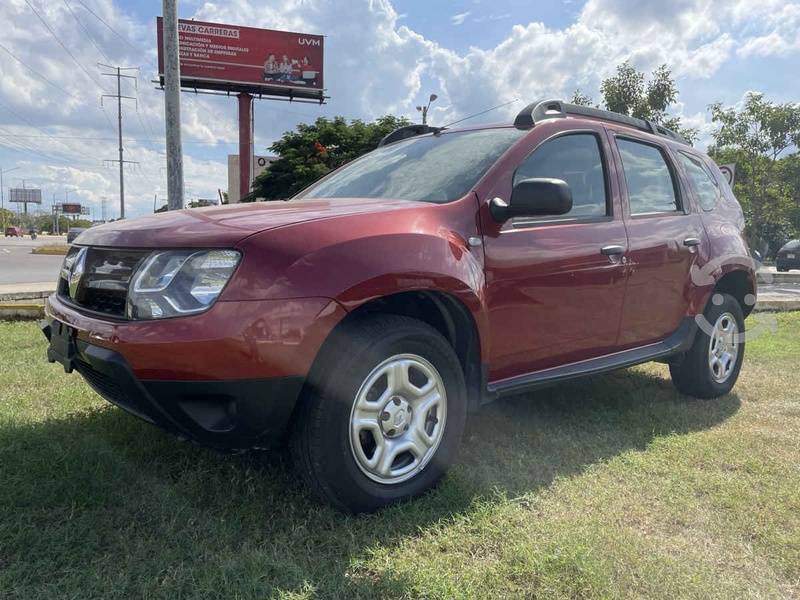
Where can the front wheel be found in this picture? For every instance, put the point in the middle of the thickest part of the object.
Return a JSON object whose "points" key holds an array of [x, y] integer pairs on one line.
{"points": [[711, 366], [382, 414]]}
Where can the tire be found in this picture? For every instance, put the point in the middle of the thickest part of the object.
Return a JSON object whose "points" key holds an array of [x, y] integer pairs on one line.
{"points": [[696, 374], [344, 413]]}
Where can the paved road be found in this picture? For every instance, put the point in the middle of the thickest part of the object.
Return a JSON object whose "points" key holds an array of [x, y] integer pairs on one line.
{"points": [[18, 265]]}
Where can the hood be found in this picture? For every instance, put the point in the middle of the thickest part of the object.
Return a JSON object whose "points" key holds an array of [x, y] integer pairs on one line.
{"points": [[221, 226]]}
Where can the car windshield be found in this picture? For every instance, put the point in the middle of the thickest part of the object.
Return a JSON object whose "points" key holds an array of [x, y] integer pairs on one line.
{"points": [[433, 168]]}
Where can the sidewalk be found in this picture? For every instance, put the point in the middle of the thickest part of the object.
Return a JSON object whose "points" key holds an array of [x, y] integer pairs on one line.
{"points": [[25, 292]]}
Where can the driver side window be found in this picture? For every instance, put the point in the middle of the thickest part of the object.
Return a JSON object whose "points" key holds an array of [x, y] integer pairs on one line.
{"points": [[576, 159]]}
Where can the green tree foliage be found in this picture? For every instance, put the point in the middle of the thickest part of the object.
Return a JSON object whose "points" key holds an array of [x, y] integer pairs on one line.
{"points": [[316, 149], [629, 93], [762, 138]]}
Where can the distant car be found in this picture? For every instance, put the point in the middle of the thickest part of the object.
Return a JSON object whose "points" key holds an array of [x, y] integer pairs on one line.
{"points": [[788, 256], [73, 233], [13, 232]]}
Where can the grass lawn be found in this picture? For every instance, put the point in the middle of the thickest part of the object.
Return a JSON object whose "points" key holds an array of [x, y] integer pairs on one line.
{"points": [[609, 487], [51, 249]]}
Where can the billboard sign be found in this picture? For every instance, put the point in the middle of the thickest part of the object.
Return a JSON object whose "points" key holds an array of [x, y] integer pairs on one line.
{"points": [[25, 195], [71, 209], [233, 58]]}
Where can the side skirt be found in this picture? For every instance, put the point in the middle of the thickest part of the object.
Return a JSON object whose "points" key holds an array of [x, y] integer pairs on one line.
{"points": [[677, 343]]}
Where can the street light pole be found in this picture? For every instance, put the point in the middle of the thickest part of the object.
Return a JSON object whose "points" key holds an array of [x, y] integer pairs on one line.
{"points": [[424, 109]]}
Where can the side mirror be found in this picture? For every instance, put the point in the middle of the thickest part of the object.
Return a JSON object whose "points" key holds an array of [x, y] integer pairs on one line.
{"points": [[538, 197]]}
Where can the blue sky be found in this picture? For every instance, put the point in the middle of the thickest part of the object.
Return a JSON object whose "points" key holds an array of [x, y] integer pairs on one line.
{"points": [[382, 56]]}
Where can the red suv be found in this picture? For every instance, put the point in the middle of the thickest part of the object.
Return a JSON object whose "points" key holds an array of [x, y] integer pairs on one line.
{"points": [[367, 316]]}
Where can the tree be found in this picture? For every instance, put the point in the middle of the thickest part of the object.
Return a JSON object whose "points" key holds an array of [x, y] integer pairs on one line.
{"points": [[762, 138], [628, 93], [316, 149]]}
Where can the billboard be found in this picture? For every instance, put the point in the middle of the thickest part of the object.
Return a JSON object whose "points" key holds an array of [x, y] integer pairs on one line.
{"points": [[71, 209], [25, 195], [233, 58]]}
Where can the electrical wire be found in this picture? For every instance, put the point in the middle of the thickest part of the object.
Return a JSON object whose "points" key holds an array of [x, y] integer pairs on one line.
{"points": [[35, 72], [60, 43], [88, 33]]}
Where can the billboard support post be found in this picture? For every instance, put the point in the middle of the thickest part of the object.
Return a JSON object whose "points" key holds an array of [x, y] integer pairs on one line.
{"points": [[172, 105], [245, 143]]}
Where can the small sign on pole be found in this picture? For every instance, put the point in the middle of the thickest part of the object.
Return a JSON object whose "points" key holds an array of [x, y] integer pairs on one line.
{"points": [[728, 172]]}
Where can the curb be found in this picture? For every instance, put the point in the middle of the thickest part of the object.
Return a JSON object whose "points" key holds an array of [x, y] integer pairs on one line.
{"points": [[769, 277], [35, 295], [21, 312]]}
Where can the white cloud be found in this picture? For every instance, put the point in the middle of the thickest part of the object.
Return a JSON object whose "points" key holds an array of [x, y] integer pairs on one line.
{"points": [[459, 18], [375, 64]]}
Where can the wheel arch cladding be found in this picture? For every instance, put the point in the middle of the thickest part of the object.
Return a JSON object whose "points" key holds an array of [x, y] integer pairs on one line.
{"points": [[444, 312], [738, 284]]}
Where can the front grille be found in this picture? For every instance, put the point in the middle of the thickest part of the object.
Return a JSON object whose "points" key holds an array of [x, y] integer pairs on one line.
{"points": [[103, 384], [110, 389], [103, 287]]}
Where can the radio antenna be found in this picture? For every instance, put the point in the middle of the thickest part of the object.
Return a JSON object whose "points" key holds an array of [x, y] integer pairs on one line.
{"points": [[483, 112]]}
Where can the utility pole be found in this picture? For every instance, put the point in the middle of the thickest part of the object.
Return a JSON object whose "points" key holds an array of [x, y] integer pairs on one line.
{"points": [[117, 72], [172, 105]]}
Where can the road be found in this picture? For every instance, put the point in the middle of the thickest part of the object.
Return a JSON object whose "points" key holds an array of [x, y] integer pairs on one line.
{"points": [[18, 265]]}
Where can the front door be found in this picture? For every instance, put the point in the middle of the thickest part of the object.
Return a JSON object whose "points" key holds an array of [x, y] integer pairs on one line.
{"points": [[665, 238], [555, 286]]}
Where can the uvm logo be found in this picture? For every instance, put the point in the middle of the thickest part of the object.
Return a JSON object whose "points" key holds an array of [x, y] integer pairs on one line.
{"points": [[309, 42]]}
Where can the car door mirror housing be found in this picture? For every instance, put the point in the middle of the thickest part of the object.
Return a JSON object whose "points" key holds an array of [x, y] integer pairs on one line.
{"points": [[539, 197]]}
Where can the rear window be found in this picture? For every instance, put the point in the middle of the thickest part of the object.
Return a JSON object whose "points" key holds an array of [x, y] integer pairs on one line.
{"points": [[431, 168], [705, 185]]}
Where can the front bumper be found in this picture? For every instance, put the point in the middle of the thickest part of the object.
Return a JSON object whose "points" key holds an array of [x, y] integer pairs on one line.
{"points": [[228, 378], [229, 415]]}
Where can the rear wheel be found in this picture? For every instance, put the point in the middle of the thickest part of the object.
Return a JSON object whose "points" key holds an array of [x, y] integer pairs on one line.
{"points": [[382, 415], [711, 367]]}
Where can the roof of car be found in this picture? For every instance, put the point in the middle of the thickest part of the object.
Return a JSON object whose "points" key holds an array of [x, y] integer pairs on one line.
{"points": [[544, 110]]}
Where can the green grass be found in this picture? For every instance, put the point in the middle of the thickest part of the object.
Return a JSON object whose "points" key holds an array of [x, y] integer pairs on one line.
{"points": [[606, 488]]}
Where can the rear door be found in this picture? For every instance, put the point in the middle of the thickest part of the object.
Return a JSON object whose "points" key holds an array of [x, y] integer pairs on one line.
{"points": [[665, 237], [553, 296]]}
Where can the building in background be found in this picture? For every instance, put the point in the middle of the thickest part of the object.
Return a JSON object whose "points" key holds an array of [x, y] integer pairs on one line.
{"points": [[260, 164]]}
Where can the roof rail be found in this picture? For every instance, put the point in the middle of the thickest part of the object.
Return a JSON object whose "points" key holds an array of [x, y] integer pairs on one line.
{"points": [[402, 133], [555, 109]]}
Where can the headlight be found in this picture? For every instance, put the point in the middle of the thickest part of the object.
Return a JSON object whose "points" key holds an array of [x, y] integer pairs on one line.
{"points": [[175, 283]]}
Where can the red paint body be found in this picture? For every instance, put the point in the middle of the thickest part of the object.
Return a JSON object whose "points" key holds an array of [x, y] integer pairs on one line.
{"points": [[539, 296]]}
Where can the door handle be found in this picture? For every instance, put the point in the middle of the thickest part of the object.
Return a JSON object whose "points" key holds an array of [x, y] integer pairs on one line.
{"points": [[612, 250], [691, 241]]}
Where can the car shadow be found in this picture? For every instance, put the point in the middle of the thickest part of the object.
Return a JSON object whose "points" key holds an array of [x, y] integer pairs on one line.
{"points": [[120, 490]]}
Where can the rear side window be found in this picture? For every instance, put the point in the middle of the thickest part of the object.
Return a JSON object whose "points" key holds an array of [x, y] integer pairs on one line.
{"points": [[576, 159], [651, 188], [704, 183]]}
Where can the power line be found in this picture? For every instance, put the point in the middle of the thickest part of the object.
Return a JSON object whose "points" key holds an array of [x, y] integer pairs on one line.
{"points": [[88, 33], [29, 122], [127, 139], [35, 72], [60, 43], [103, 21]]}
